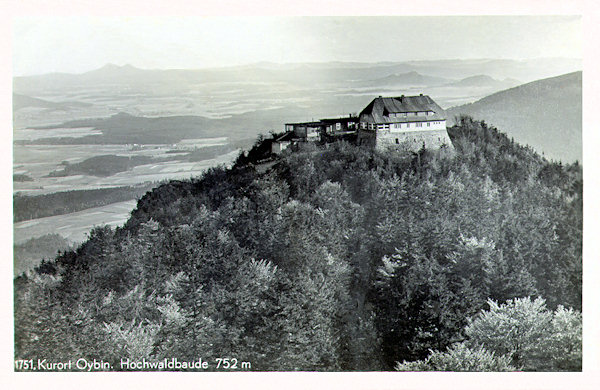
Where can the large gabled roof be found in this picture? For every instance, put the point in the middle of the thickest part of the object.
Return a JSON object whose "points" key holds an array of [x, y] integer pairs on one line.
{"points": [[379, 109]]}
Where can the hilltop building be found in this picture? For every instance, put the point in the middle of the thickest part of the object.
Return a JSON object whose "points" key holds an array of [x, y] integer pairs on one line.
{"points": [[281, 143], [406, 121], [323, 129], [339, 126], [306, 131]]}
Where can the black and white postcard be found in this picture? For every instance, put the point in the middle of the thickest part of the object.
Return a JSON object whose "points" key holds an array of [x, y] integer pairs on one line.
{"points": [[377, 195]]}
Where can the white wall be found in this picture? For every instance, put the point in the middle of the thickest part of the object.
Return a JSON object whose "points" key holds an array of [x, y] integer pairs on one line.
{"points": [[414, 126], [409, 126]]}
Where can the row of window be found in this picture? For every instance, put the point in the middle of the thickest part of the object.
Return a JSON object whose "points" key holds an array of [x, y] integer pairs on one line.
{"points": [[372, 126], [407, 114]]}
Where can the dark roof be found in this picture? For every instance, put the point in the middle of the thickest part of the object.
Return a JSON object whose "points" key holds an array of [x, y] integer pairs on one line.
{"points": [[305, 124], [379, 109], [340, 120], [286, 137]]}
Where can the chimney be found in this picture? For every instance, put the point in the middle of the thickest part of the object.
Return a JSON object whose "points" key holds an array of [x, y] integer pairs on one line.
{"points": [[420, 94]]}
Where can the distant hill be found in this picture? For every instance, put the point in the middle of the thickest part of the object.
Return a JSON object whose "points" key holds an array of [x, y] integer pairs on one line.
{"points": [[408, 79], [485, 81], [24, 101], [545, 114], [525, 70]]}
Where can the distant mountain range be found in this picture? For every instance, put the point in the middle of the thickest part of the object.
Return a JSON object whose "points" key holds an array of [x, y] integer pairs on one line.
{"points": [[413, 78], [482, 80], [303, 74], [407, 79], [546, 114]]}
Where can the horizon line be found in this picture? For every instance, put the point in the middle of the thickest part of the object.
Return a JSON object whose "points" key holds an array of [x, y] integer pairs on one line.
{"points": [[251, 64]]}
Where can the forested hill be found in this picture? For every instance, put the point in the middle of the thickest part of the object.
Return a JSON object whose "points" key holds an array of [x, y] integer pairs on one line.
{"points": [[545, 114], [337, 258]]}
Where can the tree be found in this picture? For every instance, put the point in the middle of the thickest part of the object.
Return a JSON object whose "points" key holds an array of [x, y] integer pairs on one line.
{"points": [[564, 344], [535, 338]]}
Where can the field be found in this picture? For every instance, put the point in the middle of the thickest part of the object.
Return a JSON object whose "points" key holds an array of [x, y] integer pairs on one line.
{"points": [[38, 161], [75, 226]]}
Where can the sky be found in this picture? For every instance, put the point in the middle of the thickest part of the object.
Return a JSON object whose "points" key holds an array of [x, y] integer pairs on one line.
{"points": [[79, 44]]}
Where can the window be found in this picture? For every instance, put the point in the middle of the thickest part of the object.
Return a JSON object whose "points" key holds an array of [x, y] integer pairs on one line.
{"points": [[397, 141], [428, 124], [419, 125]]}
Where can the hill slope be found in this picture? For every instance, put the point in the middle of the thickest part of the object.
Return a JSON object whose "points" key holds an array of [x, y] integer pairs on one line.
{"points": [[545, 114]]}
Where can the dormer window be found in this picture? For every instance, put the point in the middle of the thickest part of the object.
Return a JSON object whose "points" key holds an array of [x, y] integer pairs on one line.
{"points": [[385, 112]]}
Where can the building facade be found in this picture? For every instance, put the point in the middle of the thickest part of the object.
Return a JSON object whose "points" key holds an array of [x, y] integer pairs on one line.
{"points": [[409, 122], [306, 131], [335, 126], [282, 143], [314, 131]]}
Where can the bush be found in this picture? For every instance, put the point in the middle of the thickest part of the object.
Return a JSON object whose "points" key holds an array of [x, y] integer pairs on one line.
{"points": [[459, 357]]}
